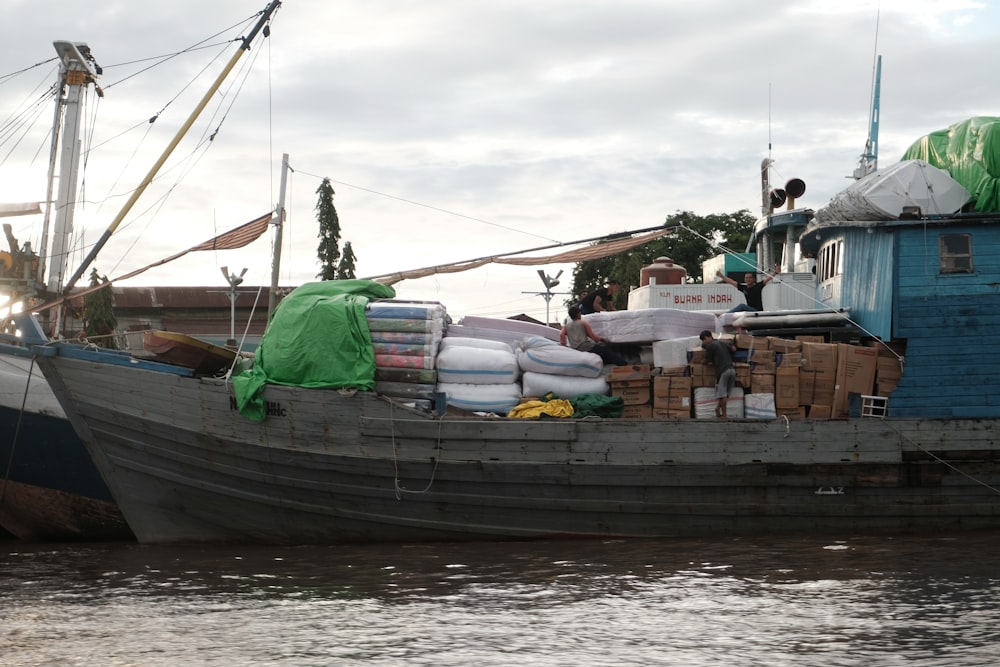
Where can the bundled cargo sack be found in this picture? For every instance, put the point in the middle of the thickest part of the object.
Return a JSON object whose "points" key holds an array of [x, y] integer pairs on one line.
{"points": [[474, 365], [481, 343], [541, 355], [563, 386], [500, 398]]}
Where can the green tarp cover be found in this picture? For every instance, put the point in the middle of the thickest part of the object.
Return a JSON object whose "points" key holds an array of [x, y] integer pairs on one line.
{"points": [[970, 152], [318, 338]]}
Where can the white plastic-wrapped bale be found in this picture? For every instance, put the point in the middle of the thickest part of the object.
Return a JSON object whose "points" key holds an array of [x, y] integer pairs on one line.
{"points": [[499, 398], [474, 365], [540, 355], [563, 386]]}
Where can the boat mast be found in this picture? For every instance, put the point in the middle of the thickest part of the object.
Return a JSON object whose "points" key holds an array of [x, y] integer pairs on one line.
{"points": [[279, 223], [76, 71], [106, 236], [868, 162]]}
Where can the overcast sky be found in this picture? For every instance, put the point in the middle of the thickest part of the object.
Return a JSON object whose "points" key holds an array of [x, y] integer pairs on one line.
{"points": [[454, 129]]}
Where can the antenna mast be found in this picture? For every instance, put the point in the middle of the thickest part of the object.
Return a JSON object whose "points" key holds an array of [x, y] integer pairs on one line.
{"points": [[868, 162]]}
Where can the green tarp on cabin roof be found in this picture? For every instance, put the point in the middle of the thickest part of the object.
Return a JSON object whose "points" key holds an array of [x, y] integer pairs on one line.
{"points": [[970, 152]]}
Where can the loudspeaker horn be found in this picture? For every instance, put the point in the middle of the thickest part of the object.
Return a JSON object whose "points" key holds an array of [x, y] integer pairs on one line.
{"points": [[795, 188], [777, 197]]}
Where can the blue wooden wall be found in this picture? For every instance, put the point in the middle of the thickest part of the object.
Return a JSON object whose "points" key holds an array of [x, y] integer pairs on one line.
{"points": [[951, 324]]}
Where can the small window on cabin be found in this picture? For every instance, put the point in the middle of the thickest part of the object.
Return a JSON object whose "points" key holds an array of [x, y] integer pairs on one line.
{"points": [[955, 253], [830, 261]]}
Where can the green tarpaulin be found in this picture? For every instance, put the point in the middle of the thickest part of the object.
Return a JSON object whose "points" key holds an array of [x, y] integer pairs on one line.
{"points": [[318, 338], [970, 152]]}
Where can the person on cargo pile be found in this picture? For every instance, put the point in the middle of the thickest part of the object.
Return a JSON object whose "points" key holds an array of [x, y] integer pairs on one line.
{"points": [[720, 354], [601, 299], [752, 290], [579, 335]]}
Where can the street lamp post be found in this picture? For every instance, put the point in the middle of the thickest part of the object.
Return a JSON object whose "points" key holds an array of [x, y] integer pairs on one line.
{"points": [[549, 283], [233, 281]]}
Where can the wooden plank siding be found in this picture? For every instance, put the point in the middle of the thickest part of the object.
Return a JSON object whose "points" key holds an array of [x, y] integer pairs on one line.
{"points": [[866, 282], [951, 324]]}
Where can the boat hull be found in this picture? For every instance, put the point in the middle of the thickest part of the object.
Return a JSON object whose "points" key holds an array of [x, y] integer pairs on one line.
{"points": [[50, 489], [326, 467]]}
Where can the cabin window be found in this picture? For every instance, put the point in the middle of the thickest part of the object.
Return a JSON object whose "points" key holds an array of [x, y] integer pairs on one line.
{"points": [[955, 253], [830, 261]]}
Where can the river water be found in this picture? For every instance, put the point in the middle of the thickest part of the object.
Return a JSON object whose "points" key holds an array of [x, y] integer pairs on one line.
{"points": [[930, 600]]}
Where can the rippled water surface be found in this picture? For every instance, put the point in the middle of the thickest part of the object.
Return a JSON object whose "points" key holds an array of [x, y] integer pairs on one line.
{"points": [[856, 601]]}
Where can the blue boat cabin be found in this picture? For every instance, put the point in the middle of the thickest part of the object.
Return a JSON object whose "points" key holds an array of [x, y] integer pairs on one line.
{"points": [[932, 285]]}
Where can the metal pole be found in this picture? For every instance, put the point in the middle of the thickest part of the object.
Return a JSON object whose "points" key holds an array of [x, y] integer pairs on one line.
{"points": [[279, 223]]}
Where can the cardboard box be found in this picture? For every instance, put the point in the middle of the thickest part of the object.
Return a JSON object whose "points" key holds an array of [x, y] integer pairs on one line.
{"points": [[748, 342], [663, 413], [784, 344], [816, 387], [676, 403], [637, 412], [696, 356], [796, 414], [632, 392], [790, 360], [856, 368], [888, 368], [893, 349], [810, 339], [761, 357], [786, 389], [819, 412], [742, 374], [819, 356], [855, 375], [674, 371], [702, 375], [671, 386], [762, 383], [625, 373]]}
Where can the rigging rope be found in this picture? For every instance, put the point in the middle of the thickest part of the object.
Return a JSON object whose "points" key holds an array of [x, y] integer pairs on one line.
{"points": [[812, 296]]}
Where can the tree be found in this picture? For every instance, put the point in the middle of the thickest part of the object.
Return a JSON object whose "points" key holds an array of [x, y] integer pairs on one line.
{"points": [[329, 232], [705, 237], [345, 270], [99, 314]]}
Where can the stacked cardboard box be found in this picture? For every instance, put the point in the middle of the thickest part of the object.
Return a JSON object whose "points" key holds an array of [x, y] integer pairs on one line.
{"points": [[784, 344], [786, 389], [702, 375], [818, 378], [804, 377], [672, 397], [889, 366], [632, 384], [856, 367]]}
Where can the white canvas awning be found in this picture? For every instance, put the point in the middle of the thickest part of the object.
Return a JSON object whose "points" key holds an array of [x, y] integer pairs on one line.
{"points": [[883, 194], [25, 208]]}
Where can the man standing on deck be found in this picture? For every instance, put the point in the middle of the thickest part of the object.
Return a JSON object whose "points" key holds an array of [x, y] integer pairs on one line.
{"points": [[601, 299], [752, 290], [720, 354]]}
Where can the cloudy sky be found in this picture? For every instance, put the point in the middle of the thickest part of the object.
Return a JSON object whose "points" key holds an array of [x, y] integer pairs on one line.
{"points": [[453, 129]]}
